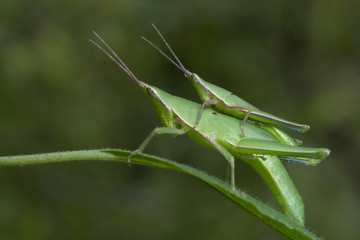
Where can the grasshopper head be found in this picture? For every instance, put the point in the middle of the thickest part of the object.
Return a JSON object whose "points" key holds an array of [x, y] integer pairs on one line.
{"points": [[157, 96], [195, 78], [162, 102], [198, 84]]}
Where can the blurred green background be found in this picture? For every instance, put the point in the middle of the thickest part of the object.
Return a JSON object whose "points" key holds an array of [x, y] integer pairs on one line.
{"points": [[296, 59]]}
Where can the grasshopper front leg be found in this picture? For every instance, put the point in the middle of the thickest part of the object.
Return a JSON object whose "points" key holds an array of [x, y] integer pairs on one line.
{"points": [[206, 103], [154, 133]]}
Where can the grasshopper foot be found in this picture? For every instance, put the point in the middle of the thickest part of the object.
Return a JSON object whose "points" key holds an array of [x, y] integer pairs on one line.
{"points": [[242, 131], [137, 151]]}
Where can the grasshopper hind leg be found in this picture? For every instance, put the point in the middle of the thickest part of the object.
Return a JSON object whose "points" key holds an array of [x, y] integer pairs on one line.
{"points": [[229, 157]]}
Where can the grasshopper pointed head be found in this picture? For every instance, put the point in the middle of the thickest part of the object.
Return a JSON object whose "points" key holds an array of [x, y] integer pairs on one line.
{"points": [[151, 91], [158, 97], [199, 85], [162, 102], [195, 78], [187, 73]]}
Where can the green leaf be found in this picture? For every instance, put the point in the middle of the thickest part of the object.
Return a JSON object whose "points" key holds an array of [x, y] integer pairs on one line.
{"points": [[268, 215]]}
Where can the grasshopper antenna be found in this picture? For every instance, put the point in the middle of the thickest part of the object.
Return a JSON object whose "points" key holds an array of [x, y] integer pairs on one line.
{"points": [[168, 46], [118, 62], [166, 56], [178, 64]]}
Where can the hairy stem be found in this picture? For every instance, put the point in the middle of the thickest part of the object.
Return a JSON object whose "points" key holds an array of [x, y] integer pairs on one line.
{"points": [[268, 215]]}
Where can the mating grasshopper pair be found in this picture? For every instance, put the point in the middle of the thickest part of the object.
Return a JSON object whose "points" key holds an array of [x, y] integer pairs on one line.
{"points": [[227, 130]]}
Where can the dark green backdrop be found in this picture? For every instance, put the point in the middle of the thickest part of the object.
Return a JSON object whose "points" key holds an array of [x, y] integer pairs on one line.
{"points": [[296, 59]]}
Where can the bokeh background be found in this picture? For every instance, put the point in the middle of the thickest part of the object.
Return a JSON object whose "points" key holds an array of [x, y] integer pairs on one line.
{"points": [[296, 59]]}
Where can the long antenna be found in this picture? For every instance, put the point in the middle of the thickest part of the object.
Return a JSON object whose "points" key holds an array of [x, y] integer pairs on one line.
{"points": [[114, 54], [178, 64], [158, 49], [119, 62], [166, 43]]}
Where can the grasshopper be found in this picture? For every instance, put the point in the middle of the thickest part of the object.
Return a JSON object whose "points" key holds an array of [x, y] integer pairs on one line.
{"points": [[221, 132], [225, 101]]}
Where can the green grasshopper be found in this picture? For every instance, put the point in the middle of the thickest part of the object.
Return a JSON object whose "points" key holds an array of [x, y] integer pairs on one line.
{"points": [[221, 132], [231, 105], [225, 101]]}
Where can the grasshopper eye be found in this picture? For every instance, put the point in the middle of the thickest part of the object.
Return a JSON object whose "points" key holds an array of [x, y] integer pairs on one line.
{"points": [[195, 77], [151, 92]]}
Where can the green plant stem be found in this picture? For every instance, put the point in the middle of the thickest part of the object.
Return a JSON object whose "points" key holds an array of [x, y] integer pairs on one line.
{"points": [[268, 215]]}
